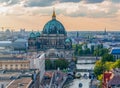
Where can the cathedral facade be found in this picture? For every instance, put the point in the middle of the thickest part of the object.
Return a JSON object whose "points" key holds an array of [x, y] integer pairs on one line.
{"points": [[53, 35]]}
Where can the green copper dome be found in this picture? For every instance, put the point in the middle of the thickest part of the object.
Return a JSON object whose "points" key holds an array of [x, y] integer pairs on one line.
{"points": [[32, 35], [54, 27], [38, 34]]}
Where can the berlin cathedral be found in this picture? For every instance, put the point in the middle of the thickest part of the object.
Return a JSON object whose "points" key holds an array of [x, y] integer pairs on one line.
{"points": [[53, 36]]}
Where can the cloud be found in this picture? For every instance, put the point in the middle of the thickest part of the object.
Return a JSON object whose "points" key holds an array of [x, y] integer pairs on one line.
{"points": [[44, 3], [70, 0], [116, 1], [100, 10], [1, 1], [93, 1], [39, 3], [9, 2], [72, 8]]}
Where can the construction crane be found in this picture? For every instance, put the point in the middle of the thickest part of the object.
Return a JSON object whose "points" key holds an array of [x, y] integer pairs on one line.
{"points": [[3, 28]]}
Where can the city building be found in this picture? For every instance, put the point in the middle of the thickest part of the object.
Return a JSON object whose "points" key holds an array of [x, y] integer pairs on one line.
{"points": [[17, 69], [17, 46], [37, 61], [53, 35], [20, 44], [7, 77], [8, 62], [116, 53], [20, 79], [53, 79], [21, 83]]}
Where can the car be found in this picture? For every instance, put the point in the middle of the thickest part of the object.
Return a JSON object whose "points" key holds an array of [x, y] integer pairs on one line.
{"points": [[85, 76], [77, 75]]}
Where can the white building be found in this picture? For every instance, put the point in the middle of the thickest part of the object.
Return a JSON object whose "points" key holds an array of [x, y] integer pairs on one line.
{"points": [[38, 62]]}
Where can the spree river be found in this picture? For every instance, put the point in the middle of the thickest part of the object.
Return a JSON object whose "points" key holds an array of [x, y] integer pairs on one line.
{"points": [[85, 81]]}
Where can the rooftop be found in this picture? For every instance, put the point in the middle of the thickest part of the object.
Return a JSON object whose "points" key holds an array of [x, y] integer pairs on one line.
{"points": [[115, 51], [115, 80], [22, 83], [10, 57], [9, 74], [14, 79], [7, 42], [20, 40]]}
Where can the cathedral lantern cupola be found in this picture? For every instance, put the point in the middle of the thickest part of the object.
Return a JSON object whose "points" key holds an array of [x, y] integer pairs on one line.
{"points": [[54, 15]]}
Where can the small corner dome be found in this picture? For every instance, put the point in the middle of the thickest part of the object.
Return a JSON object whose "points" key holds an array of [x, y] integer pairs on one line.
{"points": [[67, 40], [38, 34], [32, 35]]}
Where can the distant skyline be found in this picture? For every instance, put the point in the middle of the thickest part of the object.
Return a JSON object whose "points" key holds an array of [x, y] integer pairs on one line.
{"points": [[75, 15]]}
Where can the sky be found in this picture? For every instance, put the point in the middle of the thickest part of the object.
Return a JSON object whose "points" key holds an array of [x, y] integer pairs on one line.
{"points": [[75, 15]]}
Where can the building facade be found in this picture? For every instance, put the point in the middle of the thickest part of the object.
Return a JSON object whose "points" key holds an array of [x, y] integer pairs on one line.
{"points": [[28, 79], [53, 35], [13, 63], [37, 61]]}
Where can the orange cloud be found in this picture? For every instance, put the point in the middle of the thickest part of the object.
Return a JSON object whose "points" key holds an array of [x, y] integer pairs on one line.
{"points": [[70, 23]]}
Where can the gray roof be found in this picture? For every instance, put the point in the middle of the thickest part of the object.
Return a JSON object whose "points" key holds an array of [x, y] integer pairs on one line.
{"points": [[21, 40], [11, 58], [5, 43]]}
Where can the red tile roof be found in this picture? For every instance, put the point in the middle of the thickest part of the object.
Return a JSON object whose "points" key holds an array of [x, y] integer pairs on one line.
{"points": [[49, 74], [107, 76]]}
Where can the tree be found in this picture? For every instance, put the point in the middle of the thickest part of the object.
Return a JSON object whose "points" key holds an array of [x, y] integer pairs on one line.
{"points": [[76, 50], [74, 46], [99, 68], [108, 66], [80, 46], [80, 52], [54, 64], [103, 51], [116, 64], [48, 64], [107, 57], [100, 46], [85, 46], [96, 52], [92, 49], [87, 51], [61, 63], [100, 52]]}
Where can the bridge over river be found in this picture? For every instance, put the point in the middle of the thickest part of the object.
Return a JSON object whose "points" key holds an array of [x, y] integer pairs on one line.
{"points": [[85, 64]]}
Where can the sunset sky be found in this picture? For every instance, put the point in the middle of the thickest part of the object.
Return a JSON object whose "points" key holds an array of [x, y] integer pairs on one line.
{"points": [[82, 15]]}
